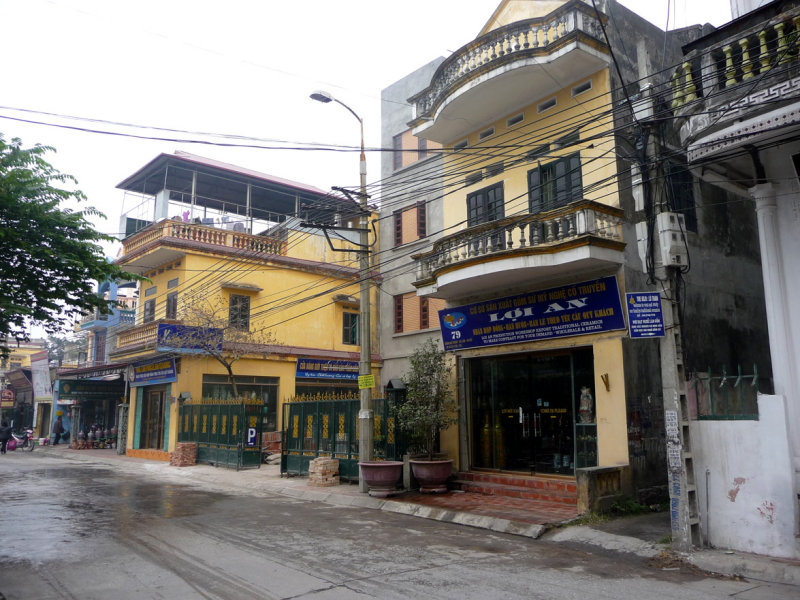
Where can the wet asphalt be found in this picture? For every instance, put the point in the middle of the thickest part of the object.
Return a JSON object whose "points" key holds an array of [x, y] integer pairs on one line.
{"points": [[74, 530]]}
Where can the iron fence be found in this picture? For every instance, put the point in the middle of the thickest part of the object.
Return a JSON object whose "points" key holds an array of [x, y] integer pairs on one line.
{"points": [[725, 397], [329, 428]]}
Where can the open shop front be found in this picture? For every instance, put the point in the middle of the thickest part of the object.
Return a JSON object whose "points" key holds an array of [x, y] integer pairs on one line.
{"points": [[535, 369], [525, 411], [90, 406]]}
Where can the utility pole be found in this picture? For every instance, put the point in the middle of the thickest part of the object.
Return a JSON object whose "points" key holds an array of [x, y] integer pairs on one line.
{"points": [[366, 423], [664, 254]]}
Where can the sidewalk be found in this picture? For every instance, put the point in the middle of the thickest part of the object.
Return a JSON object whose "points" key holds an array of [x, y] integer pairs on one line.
{"points": [[642, 535]]}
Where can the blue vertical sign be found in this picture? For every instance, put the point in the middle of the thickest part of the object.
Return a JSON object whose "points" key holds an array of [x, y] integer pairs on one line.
{"points": [[644, 314]]}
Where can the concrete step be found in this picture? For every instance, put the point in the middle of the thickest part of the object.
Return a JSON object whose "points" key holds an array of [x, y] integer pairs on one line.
{"points": [[564, 491]]}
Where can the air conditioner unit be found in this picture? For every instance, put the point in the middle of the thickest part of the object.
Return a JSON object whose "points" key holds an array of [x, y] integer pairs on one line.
{"points": [[671, 234]]}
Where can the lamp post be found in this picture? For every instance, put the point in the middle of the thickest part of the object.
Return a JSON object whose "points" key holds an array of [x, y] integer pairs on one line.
{"points": [[365, 420]]}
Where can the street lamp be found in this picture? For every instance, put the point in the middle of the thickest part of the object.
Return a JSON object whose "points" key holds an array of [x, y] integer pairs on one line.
{"points": [[365, 421]]}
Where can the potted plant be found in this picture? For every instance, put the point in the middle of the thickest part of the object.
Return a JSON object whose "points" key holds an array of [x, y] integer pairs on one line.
{"points": [[428, 408]]}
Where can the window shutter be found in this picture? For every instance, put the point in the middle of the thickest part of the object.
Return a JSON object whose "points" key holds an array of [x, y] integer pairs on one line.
{"points": [[575, 186], [398, 314], [422, 220], [561, 183], [535, 190], [496, 208], [398, 228]]}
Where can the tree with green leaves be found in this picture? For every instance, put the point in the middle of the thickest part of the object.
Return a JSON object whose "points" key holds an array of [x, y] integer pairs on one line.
{"points": [[429, 406], [50, 255]]}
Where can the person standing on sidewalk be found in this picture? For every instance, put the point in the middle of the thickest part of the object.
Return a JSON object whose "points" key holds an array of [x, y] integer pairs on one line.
{"points": [[58, 429], [5, 435]]}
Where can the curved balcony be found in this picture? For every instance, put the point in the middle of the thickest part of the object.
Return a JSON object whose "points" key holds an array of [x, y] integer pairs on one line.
{"points": [[734, 84], [501, 70], [581, 238], [170, 239]]}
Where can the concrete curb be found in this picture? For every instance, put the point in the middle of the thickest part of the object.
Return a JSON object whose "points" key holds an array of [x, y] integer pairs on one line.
{"points": [[748, 566]]}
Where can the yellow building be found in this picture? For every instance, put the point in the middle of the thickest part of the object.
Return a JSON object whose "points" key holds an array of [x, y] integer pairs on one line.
{"points": [[228, 255], [532, 258]]}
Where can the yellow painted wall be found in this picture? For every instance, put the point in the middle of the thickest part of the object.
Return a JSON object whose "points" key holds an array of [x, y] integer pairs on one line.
{"points": [[20, 357], [510, 11], [316, 322], [610, 412], [597, 153]]}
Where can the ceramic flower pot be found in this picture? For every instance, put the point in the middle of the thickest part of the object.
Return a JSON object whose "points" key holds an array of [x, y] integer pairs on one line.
{"points": [[381, 476], [432, 475]]}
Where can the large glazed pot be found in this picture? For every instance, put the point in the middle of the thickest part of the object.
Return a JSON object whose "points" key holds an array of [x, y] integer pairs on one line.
{"points": [[381, 476], [432, 474]]}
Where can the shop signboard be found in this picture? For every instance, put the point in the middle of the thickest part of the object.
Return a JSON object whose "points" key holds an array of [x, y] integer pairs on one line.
{"points": [[7, 399], [153, 372], [40, 375], [569, 310], [314, 368], [645, 318], [88, 389], [188, 338]]}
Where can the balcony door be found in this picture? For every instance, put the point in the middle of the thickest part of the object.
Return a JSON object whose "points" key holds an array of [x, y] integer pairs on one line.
{"points": [[485, 206]]}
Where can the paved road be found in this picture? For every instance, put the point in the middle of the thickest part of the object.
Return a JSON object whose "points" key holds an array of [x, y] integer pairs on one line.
{"points": [[72, 530]]}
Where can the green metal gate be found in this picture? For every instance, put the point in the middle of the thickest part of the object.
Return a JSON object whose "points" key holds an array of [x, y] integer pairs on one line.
{"points": [[330, 428], [226, 434]]}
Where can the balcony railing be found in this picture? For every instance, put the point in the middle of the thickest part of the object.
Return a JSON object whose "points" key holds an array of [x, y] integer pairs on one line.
{"points": [[93, 316], [140, 335], [750, 54], [538, 231], [517, 40], [211, 236]]}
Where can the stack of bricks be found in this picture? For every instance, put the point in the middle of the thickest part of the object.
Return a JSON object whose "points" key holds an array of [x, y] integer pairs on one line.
{"points": [[323, 472], [185, 455]]}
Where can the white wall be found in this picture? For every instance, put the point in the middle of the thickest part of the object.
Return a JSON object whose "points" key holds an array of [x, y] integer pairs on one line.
{"points": [[744, 482]]}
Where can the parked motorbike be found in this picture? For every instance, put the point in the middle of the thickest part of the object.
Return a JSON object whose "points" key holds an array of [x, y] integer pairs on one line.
{"points": [[23, 440]]}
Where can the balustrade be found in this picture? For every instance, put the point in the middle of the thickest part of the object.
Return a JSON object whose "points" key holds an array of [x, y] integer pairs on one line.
{"points": [[738, 59], [548, 229], [528, 36], [204, 235], [143, 334]]}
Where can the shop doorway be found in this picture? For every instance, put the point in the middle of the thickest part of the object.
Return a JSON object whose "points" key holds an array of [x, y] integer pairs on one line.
{"points": [[43, 420], [152, 428], [523, 410]]}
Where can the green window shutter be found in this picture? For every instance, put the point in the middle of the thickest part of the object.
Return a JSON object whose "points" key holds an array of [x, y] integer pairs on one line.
{"points": [[535, 190]]}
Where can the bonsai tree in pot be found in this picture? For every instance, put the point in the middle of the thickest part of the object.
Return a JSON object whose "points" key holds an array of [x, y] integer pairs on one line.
{"points": [[428, 408]]}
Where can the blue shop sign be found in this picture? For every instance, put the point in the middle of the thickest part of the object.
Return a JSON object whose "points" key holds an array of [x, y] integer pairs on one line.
{"points": [[644, 314], [577, 309], [314, 368], [188, 338], [153, 372]]}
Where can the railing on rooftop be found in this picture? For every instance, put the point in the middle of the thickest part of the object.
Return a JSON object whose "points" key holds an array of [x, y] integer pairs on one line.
{"points": [[750, 54], [95, 315], [211, 236], [540, 230], [516, 40]]}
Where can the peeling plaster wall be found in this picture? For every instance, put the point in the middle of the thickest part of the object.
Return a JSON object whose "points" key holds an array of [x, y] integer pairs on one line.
{"points": [[748, 503]]}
